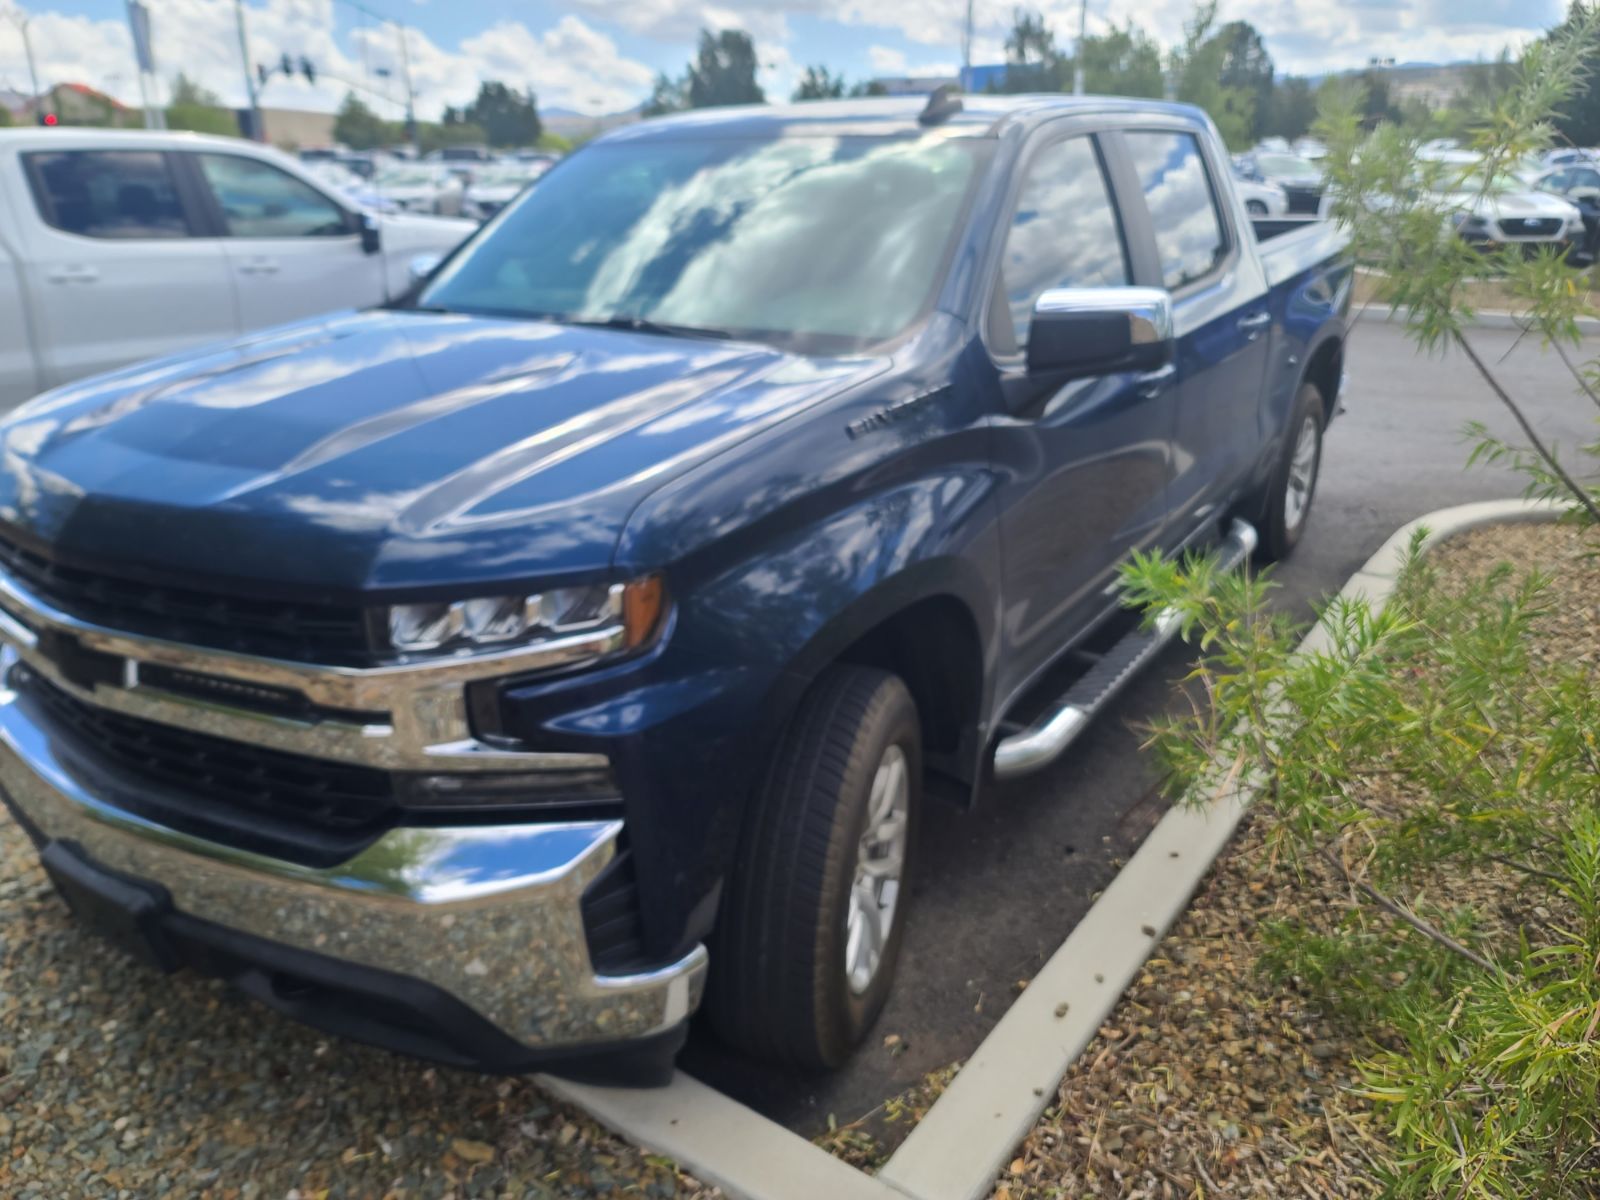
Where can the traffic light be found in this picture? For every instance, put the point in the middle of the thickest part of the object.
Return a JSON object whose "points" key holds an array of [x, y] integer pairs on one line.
{"points": [[49, 119], [264, 73], [306, 69], [286, 63]]}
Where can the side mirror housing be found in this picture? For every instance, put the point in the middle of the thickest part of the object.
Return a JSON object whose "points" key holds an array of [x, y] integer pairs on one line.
{"points": [[1097, 331], [371, 234], [422, 265]]}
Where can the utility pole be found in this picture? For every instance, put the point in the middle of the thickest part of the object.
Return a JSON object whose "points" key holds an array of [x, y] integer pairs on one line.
{"points": [[21, 22], [1077, 59], [256, 132], [966, 51], [411, 95]]}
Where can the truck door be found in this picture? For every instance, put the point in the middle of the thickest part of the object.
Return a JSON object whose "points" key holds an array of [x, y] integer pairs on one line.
{"points": [[1083, 464], [294, 251], [1221, 316], [115, 268]]}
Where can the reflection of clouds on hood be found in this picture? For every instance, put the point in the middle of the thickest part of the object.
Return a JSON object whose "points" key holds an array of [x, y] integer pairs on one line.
{"points": [[1064, 233], [1188, 233]]}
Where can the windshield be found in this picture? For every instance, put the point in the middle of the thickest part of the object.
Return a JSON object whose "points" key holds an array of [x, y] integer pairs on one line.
{"points": [[1286, 166], [827, 243], [1475, 184]]}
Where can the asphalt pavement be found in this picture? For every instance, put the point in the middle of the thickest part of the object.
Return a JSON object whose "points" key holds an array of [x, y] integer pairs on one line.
{"points": [[1001, 888]]}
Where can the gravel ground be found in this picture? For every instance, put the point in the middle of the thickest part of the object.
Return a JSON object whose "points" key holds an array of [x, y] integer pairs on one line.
{"points": [[117, 1081]]}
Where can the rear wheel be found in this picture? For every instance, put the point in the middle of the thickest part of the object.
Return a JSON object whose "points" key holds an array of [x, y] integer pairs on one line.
{"points": [[1294, 483], [1255, 208], [814, 913]]}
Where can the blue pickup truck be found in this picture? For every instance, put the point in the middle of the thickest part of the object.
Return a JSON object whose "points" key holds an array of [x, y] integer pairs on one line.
{"points": [[506, 674]]}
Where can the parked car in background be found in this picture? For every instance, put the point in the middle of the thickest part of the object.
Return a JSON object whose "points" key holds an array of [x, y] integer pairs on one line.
{"points": [[1505, 213], [461, 154], [1579, 185], [1567, 156], [496, 186], [121, 245], [1301, 181], [420, 188], [496, 675], [1310, 149], [339, 178], [1261, 199]]}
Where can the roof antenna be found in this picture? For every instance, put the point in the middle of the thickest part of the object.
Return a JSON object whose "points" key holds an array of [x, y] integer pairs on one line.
{"points": [[943, 103]]}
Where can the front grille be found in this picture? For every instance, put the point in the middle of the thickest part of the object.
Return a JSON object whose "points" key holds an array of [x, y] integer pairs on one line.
{"points": [[1303, 200], [215, 778], [319, 633], [1522, 227]]}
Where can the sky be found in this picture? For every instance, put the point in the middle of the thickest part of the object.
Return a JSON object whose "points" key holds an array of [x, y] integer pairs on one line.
{"points": [[599, 56]]}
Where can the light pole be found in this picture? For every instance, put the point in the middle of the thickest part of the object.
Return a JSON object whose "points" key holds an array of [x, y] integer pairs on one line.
{"points": [[21, 22], [1077, 59], [249, 73], [411, 95]]}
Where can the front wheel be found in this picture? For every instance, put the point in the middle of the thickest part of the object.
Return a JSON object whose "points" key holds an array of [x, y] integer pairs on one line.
{"points": [[1294, 483], [812, 919], [1255, 208]]}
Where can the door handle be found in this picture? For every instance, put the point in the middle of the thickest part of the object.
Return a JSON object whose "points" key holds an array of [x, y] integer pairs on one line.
{"points": [[75, 273], [1254, 324], [258, 266], [1153, 383]]}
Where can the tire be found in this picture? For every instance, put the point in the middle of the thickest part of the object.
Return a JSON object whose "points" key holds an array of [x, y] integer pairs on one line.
{"points": [[1293, 485], [779, 986], [1255, 208]]}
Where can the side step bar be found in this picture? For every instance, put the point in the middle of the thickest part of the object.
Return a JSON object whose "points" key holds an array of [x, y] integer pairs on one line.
{"points": [[1043, 742]]}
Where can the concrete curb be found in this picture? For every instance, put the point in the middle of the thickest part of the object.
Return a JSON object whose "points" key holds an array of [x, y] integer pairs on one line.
{"points": [[958, 1149], [1482, 320]]}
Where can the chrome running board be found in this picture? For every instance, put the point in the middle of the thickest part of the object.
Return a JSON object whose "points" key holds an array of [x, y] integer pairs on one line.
{"points": [[1043, 742]]}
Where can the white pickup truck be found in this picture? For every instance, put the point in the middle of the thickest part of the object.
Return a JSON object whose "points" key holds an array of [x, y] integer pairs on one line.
{"points": [[117, 246]]}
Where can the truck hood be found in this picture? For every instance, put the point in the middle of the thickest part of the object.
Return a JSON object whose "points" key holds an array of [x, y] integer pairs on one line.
{"points": [[388, 450]]}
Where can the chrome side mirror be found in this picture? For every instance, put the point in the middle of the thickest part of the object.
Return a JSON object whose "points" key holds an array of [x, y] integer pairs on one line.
{"points": [[1098, 331], [422, 265]]}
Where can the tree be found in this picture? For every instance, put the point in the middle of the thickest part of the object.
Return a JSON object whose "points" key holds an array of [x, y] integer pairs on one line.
{"points": [[1033, 64], [1578, 119], [868, 87], [507, 118], [667, 96], [358, 127], [819, 83], [199, 109], [724, 71], [1124, 62], [1198, 65], [1247, 66], [1291, 110], [5, 116], [433, 137]]}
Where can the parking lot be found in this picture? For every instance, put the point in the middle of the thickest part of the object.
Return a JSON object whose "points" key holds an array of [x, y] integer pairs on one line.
{"points": [[1002, 888]]}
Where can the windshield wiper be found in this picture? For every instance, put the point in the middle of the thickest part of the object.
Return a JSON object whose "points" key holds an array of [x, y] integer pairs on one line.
{"points": [[637, 324]]}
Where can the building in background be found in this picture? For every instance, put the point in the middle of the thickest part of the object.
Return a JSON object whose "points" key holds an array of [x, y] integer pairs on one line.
{"points": [[296, 128], [983, 78]]}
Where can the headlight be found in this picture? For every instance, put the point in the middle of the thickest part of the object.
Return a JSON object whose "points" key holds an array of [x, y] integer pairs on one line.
{"points": [[632, 610], [1468, 222]]}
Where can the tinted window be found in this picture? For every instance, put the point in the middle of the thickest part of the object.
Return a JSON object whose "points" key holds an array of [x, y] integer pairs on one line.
{"points": [[107, 193], [1177, 190], [823, 242], [1584, 177], [260, 201], [1064, 233]]}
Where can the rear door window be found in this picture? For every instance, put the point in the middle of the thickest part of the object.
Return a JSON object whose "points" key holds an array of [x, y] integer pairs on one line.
{"points": [[1191, 241], [107, 193]]}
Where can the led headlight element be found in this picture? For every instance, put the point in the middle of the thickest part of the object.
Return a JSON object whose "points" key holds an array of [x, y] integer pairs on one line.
{"points": [[633, 610]]}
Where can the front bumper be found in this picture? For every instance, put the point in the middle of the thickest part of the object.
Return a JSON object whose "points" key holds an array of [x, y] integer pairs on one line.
{"points": [[480, 924]]}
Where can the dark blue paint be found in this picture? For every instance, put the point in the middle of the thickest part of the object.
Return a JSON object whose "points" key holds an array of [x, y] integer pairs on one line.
{"points": [[793, 503]]}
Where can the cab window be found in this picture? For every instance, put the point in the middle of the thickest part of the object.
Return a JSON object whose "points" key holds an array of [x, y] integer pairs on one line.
{"points": [[1064, 234], [1190, 241], [260, 201]]}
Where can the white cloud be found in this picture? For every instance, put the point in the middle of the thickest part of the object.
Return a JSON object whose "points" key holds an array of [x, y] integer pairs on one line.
{"points": [[887, 60], [571, 64]]}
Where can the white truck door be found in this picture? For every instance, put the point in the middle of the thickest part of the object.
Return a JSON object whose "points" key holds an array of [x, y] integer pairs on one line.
{"points": [[19, 374], [294, 251], [114, 266]]}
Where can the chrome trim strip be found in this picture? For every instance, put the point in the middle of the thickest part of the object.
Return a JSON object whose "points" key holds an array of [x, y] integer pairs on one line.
{"points": [[489, 913], [428, 728]]}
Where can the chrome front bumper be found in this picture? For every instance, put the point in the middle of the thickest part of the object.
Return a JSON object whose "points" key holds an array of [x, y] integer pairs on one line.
{"points": [[487, 913]]}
